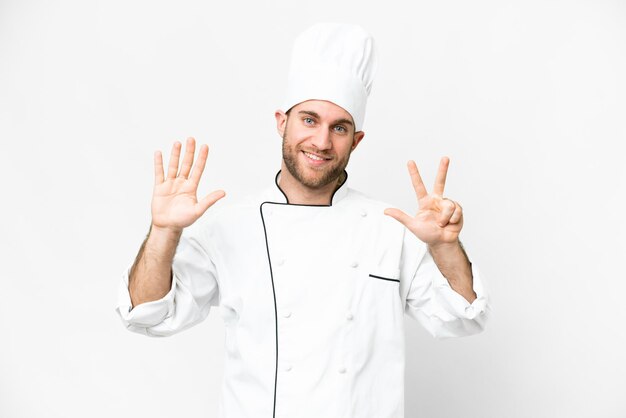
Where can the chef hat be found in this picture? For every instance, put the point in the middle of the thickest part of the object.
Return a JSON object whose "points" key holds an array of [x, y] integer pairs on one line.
{"points": [[334, 62]]}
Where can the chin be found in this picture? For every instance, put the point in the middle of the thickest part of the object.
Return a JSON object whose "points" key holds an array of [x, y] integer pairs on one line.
{"points": [[317, 178]]}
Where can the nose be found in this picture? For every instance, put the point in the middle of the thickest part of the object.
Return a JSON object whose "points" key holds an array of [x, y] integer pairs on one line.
{"points": [[321, 140]]}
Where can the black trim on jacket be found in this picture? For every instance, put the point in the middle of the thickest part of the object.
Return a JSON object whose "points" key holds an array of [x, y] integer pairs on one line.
{"points": [[269, 260]]}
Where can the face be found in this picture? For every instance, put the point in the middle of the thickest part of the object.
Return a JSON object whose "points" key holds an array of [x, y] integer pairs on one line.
{"points": [[318, 138]]}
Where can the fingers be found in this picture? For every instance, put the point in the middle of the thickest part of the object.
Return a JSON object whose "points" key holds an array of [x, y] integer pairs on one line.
{"points": [[174, 156], [209, 200], [158, 168], [188, 159], [416, 179], [440, 181], [172, 170], [450, 213], [200, 164], [457, 215], [399, 216]]}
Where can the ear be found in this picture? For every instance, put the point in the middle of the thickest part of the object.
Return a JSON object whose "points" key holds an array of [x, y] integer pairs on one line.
{"points": [[281, 121], [358, 137]]}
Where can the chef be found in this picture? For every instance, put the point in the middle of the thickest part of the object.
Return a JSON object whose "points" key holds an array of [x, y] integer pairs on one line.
{"points": [[312, 278]]}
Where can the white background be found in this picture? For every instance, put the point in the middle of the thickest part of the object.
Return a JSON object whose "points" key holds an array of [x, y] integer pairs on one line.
{"points": [[527, 99]]}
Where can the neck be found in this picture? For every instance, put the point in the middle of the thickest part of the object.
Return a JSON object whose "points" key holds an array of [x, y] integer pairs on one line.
{"points": [[299, 194]]}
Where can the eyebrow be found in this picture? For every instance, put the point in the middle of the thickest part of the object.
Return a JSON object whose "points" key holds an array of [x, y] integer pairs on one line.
{"points": [[336, 122]]}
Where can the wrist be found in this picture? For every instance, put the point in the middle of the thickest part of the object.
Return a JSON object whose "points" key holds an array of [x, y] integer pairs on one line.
{"points": [[445, 247], [165, 233]]}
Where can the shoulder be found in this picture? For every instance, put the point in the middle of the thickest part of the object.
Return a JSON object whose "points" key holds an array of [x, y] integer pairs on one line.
{"points": [[356, 197], [234, 210], [373, 209]]}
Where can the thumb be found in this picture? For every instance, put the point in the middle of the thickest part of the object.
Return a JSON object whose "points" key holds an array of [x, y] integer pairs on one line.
{"points": [[399, 216], [209, 200]]}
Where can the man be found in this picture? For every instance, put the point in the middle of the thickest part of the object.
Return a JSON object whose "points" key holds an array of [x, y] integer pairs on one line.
{"points": [[312, 278]]}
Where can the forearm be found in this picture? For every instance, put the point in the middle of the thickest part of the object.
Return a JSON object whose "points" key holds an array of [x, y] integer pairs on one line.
{"points": [[455, 267], [151, 275]]}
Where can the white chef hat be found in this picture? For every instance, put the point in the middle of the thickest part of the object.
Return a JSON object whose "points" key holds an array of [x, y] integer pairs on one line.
{"points": [[334, 62]]}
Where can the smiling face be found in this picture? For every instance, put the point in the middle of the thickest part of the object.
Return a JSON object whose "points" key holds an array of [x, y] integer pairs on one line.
{"points": [[318, 137]]}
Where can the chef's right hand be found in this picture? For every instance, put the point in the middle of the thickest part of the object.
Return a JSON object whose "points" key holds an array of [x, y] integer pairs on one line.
{"points": [[174, 202]]}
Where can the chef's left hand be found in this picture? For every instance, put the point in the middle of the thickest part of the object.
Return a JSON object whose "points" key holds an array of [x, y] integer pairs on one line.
{"points": [[439, 220]]}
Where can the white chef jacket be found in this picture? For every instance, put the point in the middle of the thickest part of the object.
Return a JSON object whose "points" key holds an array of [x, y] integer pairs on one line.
{"points": [[313, 299]]}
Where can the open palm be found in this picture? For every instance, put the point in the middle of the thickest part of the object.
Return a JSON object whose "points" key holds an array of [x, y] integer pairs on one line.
{"points": [[174, 202]]}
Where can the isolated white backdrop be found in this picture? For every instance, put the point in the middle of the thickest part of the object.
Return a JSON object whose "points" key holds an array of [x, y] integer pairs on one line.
{"points": [[526, 97]]}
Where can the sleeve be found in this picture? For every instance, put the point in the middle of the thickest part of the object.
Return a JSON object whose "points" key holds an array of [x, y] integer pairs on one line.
{"points": [[194, 290], [431, 301]]}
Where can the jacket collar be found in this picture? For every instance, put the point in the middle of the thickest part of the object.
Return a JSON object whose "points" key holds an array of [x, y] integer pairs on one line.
{"points": [[277, 195]]}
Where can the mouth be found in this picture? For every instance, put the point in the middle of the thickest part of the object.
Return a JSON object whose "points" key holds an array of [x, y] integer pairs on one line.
{"points": [[315, 159]]}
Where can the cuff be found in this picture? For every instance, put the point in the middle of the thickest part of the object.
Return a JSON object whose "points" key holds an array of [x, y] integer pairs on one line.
{"points": [[456, 304], [145, 314]]}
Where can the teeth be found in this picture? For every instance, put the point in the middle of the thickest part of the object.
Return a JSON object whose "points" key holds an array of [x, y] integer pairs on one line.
{"points": [[313, 157]]}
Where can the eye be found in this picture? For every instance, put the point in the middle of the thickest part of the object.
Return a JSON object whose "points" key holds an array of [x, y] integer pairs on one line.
{"points": [[308, 121], [341, 129]]}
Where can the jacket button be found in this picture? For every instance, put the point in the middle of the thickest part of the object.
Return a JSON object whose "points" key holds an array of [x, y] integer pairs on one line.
{"points": [[349, 317], [354, 264], [286, 314], [363, 213], [280, 261], [342, 370], [288, 367]]}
